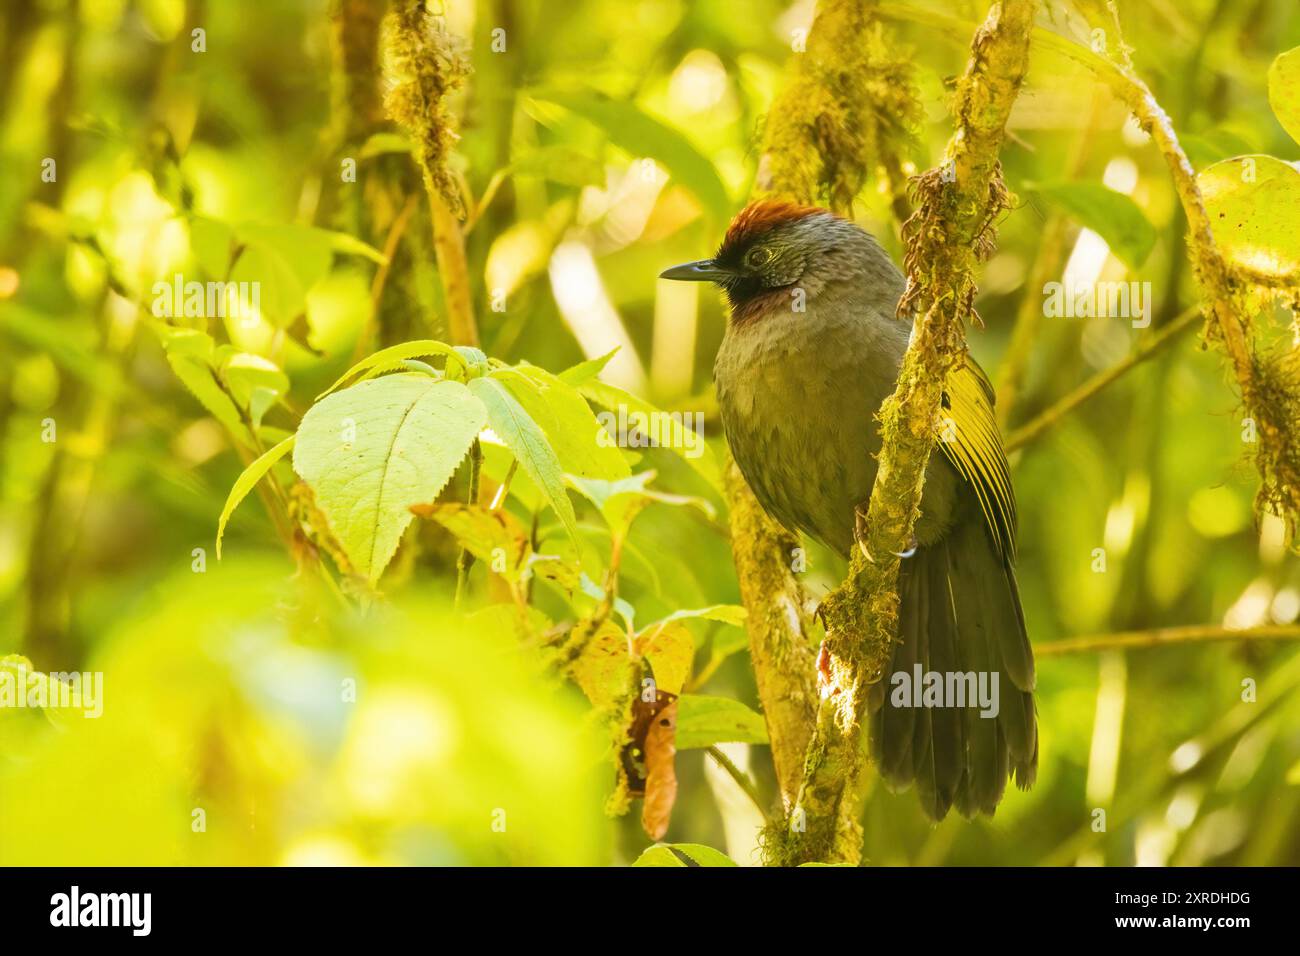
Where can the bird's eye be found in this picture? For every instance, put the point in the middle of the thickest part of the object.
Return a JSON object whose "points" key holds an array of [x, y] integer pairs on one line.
{"points": [[759, 256]]}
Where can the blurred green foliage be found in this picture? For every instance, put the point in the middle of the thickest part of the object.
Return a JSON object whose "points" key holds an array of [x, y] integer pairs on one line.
{"points": [[602, 142]]}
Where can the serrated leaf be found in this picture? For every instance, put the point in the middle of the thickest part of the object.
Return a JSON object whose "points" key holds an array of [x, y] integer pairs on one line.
{"points": [[671, 854], [1284, 91], [1254, 203], [703, 721], [1112, 215], [526, 440], [641, 135], [247, 480], [582, 445], [372, 451]]}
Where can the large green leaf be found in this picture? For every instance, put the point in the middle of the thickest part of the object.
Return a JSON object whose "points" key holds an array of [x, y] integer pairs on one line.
{"points": [[526, 440], [372, 451], [581, 443], [641, 135], [246, 481], [1254, 203], [1284, 91], [703, 721], [1113, 216]]}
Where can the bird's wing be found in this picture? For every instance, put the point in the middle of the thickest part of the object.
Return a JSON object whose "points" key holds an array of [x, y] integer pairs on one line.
{"points": [[972, 443]]}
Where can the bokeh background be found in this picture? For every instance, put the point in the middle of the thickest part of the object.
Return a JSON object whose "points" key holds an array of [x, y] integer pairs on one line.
{"points": [[223, 678]]}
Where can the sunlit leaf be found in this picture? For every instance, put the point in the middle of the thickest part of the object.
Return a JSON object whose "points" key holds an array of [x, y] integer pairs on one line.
{"points": [[389, 359], [641, 135], [525, 438], [247, 480], [583, 446], [682, 854], [703, 721], [690, 446], [372, 451], [1254, 203], [1284, 91], [1112, 215]]}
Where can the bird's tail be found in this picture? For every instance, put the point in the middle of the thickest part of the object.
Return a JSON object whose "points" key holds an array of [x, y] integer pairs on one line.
{"points": [[959, 618]]}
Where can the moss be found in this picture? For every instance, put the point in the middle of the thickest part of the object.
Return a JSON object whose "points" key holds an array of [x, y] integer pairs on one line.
{"points": [[425, 64]]}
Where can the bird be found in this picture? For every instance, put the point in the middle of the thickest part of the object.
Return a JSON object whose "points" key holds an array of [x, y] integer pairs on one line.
{"points": [[812, 347]]}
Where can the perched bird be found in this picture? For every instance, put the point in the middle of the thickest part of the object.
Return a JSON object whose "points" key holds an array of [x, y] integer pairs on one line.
{"points": [[812, 348]]}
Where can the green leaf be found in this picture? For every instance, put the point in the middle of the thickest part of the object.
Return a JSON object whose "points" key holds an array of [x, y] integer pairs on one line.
{"points": [[1204, 149], [670, 648], [1254, 203], [581, 443], [703, 721], [212, 243], [691, 447], [191, 354], [1284, 91], [621, 501], [559, 164], [641, 135], [578, 374], [389, 359], [380, 143], [726, 613], [525, 438], [372, 451], [1112, 215], [682, 854], [486, 534], [246, 481]]}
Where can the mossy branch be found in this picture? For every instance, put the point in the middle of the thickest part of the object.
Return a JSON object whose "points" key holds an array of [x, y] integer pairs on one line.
{"points": [[846, 110], [949, 234], [1269, 394], [426, 65]]}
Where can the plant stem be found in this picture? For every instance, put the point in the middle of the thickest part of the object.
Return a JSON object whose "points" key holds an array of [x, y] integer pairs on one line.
{"points": [[1047, 418], [463, 559], [1159, 637], [738, 775]]}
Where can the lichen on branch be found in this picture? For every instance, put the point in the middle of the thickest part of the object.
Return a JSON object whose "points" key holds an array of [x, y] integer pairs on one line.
{"points": [[848, 110], [951, 231]]}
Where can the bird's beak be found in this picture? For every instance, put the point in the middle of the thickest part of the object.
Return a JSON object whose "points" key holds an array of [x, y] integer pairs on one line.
{"points": [[705, 270]]}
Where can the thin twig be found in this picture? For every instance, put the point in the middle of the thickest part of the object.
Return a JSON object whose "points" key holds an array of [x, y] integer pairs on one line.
{"points": [[1050, 416], [463, 560], [1191, 634], [738, 775]]}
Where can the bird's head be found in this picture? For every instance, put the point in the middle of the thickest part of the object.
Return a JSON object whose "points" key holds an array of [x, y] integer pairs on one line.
{"points": [[773, 247]]}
